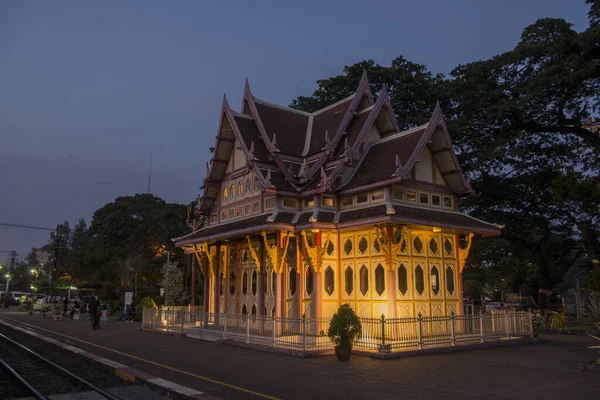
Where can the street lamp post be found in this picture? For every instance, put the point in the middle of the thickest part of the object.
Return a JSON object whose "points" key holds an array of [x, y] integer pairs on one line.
{"points": [[135, 288]]}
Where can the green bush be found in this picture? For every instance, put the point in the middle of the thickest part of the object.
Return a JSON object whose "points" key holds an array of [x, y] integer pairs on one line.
{"points": [[345, 327], [558, 320], [146, 302]]}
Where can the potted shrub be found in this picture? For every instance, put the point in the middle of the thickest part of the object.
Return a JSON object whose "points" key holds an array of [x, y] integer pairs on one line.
{"points": [[344, 330], [57, 313], [46, 308]]}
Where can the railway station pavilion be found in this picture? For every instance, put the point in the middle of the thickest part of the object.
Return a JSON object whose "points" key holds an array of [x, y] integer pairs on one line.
{"points": [[302, 212]]}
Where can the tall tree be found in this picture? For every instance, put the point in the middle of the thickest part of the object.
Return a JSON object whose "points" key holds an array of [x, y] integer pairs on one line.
{"points": [[516, 121]]}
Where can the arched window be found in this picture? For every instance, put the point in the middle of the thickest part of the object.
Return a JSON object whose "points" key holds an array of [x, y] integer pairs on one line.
{"points": [[254, 278], [244, 310], [364, 280], [379, 279], [435, 280], [232, 191], [244, 283], [225, 194], [232, 283], [253, 309], [419, 280], [402, 279], [309, 280], [222, 285], [240, 189], [248, 190], [292, 283], [329, 280], [450, 280], [348, 281]]}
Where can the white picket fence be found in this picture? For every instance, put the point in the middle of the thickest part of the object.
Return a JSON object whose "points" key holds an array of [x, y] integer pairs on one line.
{"points": [[378, 334]]}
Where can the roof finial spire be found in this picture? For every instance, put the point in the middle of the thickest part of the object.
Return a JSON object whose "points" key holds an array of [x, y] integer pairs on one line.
{"points": [[269, 176], [252, 151], [207, 170], [303, 168], [324, 179], [247, 87], [364, 81], [398, 166]]}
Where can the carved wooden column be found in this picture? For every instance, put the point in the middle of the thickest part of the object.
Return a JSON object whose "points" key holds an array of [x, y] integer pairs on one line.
{"points": [[217, 279], [299, 277], [261, 282], [193, 282], [391, 276], [318, 277], [391, 291], [279, 293]]}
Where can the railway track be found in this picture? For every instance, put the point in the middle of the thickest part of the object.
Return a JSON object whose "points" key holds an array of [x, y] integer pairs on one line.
{"points": [[25, 372]]}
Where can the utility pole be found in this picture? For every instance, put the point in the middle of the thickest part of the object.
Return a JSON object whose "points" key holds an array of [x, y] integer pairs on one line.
{"points": [[150, 174], [13, 257], [167, 280]]}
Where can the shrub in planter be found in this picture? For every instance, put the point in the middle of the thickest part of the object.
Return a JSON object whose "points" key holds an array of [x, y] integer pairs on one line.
{"points": [[558, 320], [146, 302], [591, 317], [344, 329]]}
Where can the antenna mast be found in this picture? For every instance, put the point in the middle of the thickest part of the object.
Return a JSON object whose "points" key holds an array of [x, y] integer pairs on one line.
{"points": [[150, 174]]}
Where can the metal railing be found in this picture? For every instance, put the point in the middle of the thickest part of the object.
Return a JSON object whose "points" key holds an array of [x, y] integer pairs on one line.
{"points": [[378, 334]]}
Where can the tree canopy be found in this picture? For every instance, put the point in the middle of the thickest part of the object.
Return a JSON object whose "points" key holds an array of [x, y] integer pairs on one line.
{"points": [[517, 124]]}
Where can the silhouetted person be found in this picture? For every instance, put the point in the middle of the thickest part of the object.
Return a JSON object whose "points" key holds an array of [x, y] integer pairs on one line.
{"points": [[65, 306], [95, 312]]}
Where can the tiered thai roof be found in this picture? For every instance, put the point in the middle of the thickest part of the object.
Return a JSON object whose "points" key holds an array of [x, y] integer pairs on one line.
{"points": [[332, 150]]}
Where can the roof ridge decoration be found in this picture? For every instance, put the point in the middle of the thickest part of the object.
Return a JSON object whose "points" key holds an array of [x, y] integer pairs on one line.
{"points": [[363, 90], [337, 103], [382, 100], [274, 153], [308, 136], [241, 115], [227, 112], [437, 120], [281, 107], [401, 134]]}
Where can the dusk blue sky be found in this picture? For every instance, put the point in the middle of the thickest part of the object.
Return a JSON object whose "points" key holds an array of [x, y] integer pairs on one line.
{"points": [[89, 89]]}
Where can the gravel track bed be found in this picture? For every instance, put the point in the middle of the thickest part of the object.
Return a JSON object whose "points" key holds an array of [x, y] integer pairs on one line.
{"points": [[10, 388], [44, 377]]}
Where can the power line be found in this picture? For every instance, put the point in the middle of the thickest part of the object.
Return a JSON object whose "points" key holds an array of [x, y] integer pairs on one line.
{"points": [[7, 225]]}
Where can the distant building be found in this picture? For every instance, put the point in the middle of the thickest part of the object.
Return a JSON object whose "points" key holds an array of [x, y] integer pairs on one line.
{"points": [[44, 257], [307, 211]]}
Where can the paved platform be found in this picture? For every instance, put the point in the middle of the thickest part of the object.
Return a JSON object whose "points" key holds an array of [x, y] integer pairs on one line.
{"points": [[543, 371]]}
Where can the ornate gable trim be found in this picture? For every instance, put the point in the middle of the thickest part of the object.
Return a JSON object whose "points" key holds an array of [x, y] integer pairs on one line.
{"points": [[363, 90], [437, 121], [210, 192]]}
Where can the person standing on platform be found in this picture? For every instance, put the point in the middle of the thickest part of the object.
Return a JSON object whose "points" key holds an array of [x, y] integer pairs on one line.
{"points": [[104, 317], [95, 312], [65, 306]]}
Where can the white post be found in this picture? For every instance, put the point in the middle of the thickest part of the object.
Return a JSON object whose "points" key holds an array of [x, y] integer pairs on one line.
{"points": [[507, 325], [167, 312], [273, 331], [247, 329], [155, 317], [382, 348], [182, 314], [202, 323], [493, 321], [452, 331], [303, 332], [530, 317], [481, 328], [224, 316], [420, 320]]}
